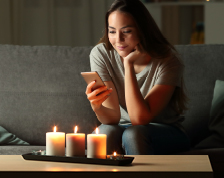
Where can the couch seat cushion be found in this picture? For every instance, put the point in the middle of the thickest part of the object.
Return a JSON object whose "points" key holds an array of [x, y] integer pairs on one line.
{"points": [[19, 149]]}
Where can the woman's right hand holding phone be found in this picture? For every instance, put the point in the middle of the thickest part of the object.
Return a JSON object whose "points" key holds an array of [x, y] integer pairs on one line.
{"points": [[98, 96]]}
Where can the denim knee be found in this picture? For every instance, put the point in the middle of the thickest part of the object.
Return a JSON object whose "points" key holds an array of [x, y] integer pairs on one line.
{"points": [[154, 139], [110, 130], [132, 133], [135, 142]]}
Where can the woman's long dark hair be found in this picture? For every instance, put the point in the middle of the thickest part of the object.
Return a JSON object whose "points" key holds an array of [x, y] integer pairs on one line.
{"points": [[151, 39]]}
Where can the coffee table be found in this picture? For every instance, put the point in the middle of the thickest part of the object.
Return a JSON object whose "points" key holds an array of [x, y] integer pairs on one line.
{"points": [[142, 166]]}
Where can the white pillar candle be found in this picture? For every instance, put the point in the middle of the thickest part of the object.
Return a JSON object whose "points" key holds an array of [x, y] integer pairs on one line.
{"points": [[97, 145], [75, 144], [55, 143]]}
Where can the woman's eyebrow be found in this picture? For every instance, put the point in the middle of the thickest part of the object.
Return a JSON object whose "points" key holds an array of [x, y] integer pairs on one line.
{"points": [[122, 27]]}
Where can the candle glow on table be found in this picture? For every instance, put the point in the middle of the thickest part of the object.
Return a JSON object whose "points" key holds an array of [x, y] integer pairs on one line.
{"points": [[75, 143], [55, 143], [97, 145]]}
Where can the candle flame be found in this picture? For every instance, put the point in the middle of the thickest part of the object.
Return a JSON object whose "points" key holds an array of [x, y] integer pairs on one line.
{"points": [[97, 130], [55, 128], [76, 129], [115, 154]]}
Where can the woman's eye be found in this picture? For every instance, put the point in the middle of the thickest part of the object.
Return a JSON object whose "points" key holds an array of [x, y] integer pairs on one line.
{"points": [[128, 31], [112, 32]]}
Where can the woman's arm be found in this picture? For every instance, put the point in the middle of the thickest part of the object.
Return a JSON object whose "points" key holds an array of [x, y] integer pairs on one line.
{"points": [[142, 110], [105, 107]]}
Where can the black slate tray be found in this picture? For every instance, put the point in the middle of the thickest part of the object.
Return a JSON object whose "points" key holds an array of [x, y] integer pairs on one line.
{"points": [[119, 162]]}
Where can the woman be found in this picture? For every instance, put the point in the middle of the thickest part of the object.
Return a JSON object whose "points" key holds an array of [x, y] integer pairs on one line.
{"points": [[140, 106]]}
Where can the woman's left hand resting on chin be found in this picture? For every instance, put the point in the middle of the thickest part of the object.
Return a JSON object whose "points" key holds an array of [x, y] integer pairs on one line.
{"points": [[143, 110], [136, 54]]}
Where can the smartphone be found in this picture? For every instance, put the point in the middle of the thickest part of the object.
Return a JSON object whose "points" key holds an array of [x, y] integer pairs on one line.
{"points": [[91, 76]]}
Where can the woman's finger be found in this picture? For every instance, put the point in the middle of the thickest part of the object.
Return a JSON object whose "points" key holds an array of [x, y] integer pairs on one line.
{"points": [[99, 101], [89, 87], [100, 90], [99, 94], [103, 99]]}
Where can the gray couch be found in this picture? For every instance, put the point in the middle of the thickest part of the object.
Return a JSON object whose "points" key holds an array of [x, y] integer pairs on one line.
{"points": [[41, 86]]}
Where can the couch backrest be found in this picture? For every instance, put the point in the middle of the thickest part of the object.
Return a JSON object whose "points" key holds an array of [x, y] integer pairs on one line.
{"points": [[204, 64], [40, 87]]}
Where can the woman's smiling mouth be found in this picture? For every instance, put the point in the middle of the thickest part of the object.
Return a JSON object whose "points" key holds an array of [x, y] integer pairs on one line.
{"points": [[121, 47]]}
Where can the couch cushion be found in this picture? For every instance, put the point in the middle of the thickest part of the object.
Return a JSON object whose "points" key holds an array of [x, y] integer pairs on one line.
{"points": [[7, 138], [41, 86], [19, 149], [216, 124], [203, 66]]}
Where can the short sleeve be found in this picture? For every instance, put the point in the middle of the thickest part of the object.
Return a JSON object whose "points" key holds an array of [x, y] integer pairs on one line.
{"points": [[99, 62], [170, 72]]}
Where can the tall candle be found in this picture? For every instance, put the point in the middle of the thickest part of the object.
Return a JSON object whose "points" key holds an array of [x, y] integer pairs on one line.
{"points": [[55, 143], [97, 145], [75, 144]]}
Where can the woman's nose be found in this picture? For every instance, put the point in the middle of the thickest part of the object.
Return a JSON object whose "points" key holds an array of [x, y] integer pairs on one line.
{"points": [[119, 37]]}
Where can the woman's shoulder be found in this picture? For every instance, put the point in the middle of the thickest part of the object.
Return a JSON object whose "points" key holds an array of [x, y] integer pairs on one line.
{"points": [[99, 48], [170, 62], [173, 58]]}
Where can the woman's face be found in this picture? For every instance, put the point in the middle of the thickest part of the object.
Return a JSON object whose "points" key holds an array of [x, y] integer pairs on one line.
{"points": [[122, 33]]}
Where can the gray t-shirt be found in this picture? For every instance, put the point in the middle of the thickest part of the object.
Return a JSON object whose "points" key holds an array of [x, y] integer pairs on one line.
{"points": [[158, 72]]}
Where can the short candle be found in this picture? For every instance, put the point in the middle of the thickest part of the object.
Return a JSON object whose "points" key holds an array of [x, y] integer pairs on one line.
{"points": [[39, 152], [116, 156], [75, 143], [97, 145], [55, 143]]}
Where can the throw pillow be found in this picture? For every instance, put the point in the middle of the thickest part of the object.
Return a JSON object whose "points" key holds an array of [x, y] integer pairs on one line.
{"points": [[7, 138], [216, 123]]}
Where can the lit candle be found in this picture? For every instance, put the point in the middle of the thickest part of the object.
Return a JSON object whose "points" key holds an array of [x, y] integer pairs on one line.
{"points": [[97, 145], [55, 143], [75, 143], [116, 156]]}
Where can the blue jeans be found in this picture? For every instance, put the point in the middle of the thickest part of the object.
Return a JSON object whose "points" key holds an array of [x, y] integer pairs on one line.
{"points": [[151, 139]]}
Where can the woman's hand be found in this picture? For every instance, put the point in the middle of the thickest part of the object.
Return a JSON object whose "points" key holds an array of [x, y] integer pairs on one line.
{"points": [[98, 96], [135, 55]]}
